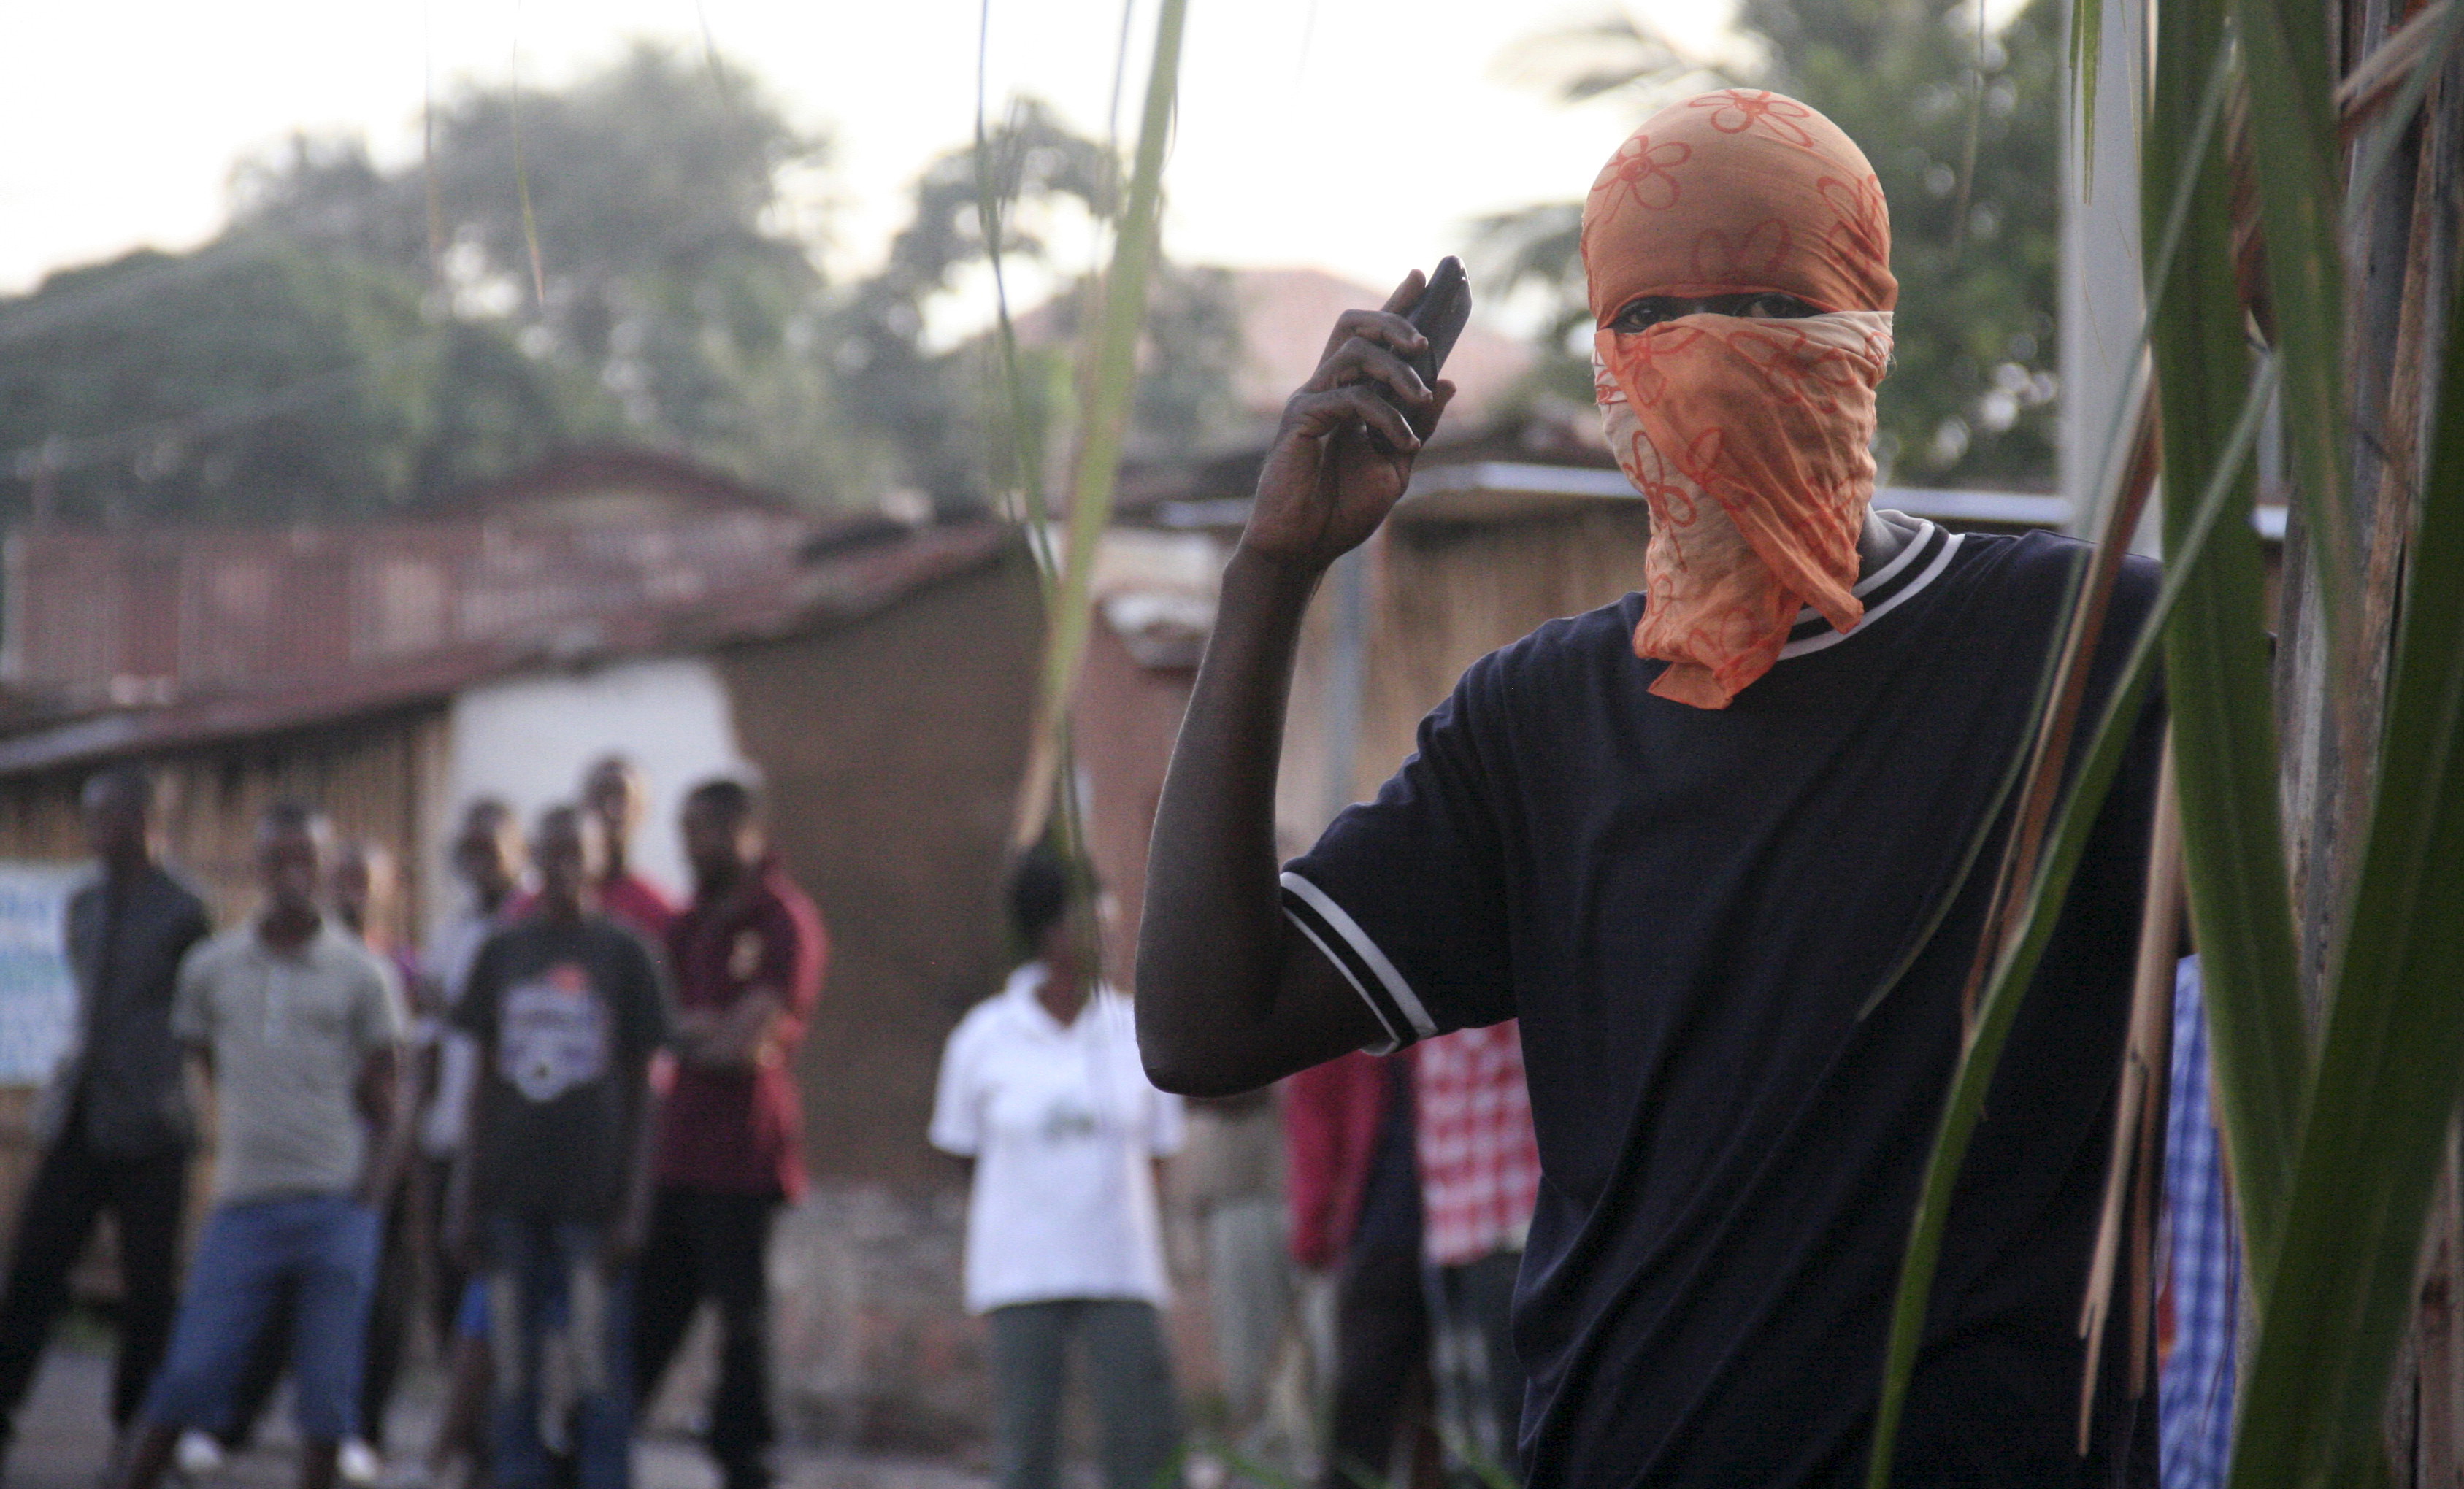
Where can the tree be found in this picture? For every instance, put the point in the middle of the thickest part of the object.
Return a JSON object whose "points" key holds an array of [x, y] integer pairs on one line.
{"points": [[1971, 398], [258, 381], [610, 261], [632, 224], [929, 405], [939, 409], [360, 337]]}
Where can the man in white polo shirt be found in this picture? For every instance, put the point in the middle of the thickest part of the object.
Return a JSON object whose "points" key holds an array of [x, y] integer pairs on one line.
{"points": [[1042, 1093]]}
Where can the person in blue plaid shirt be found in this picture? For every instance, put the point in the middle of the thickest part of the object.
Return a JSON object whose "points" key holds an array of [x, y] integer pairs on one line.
{"points": [[2203, 1270]]}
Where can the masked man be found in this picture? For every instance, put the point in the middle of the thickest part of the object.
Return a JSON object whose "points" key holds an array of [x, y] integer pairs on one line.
{"points": [[1685, 840]]}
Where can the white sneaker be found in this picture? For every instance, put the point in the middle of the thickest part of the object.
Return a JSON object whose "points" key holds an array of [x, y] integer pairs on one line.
{"points": [[198, 1455], [358, 1464]]}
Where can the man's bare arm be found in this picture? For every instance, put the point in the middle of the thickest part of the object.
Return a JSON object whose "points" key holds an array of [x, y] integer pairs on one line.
{"points": [[739, 1037], [381, 1092], [462, 1240], [1231, 996], [632, 1224]]}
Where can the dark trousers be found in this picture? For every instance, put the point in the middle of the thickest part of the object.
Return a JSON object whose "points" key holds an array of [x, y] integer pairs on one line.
{"points": [[1381, 1364], [147, 1198], [1479, 1378], [1128, 1373], [431, 1179], [714, 1246]]}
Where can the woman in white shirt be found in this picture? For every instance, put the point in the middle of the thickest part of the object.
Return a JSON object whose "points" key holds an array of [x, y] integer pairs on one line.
{"points": [[1042, 1091]]}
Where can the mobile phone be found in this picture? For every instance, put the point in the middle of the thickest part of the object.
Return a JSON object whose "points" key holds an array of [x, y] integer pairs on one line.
{"points": [[1439, 314]]}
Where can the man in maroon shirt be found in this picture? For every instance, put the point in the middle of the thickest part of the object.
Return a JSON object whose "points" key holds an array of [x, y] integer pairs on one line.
{"points": [[613, 792], [747, 959]]}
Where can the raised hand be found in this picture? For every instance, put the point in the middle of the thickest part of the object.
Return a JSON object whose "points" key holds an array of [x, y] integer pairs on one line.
{"points": [[1327, 482]]}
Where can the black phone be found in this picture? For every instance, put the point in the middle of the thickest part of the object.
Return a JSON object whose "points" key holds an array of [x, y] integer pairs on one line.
{"points": [[1439, 315]]}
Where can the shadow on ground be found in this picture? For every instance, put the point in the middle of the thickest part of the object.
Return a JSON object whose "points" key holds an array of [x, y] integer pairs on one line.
{"points": [[64, 1438]]}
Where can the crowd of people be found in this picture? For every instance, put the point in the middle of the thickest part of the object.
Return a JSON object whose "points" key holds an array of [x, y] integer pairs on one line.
{"points": [[568, 1121]]}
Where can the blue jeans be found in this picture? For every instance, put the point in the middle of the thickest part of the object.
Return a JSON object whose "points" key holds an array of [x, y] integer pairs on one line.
{"points": [[546, 1289], [320, 1250]]}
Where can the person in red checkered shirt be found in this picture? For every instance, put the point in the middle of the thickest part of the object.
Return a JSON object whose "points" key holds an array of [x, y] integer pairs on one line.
{"points": [[1424, 1248], [1479, 1177]]}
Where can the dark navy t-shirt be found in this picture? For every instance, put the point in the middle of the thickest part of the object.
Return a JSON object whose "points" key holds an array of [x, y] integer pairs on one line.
{"points": [[1690, 911]]}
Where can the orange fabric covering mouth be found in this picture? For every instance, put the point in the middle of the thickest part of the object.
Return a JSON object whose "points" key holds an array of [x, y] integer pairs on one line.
{"points": [[1749, 438]]}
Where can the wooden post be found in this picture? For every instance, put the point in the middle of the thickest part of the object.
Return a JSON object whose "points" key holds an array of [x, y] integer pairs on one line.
{"points": [[2400, 258]]}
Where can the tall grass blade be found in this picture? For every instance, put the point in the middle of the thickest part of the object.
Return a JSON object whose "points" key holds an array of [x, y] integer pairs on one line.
{"points": [[1965, 1106], [1120, 77], [1111, 380], [522, 179], [433, 199], [2297, 161], [1023, 422], [2215, 649], [2084, 607], [2087, 56], [1960, 207], [2376, 1121], [709, 57]]}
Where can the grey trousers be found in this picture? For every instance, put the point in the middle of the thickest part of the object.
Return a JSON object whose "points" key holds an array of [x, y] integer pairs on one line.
{"points": [[1250, 1275], [1128, 1373]]}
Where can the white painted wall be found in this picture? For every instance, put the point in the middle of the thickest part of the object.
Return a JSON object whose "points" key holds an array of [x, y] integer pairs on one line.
{"points": [[528, 739], [2102, 300]]}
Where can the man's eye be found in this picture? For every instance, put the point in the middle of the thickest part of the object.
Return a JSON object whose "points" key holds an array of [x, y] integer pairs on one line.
{"points": [[1778, 307]]}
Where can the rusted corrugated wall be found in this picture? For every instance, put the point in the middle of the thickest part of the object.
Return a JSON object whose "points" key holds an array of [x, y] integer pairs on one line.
{"points": [[379, 776]]}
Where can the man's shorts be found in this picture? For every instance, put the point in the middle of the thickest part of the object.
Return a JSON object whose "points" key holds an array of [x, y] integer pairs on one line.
{"points": [[321, 1251]]}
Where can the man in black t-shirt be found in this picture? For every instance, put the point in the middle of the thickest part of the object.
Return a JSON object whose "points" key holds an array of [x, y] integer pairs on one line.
{"points": [[553, 1198], [1685, 840]]}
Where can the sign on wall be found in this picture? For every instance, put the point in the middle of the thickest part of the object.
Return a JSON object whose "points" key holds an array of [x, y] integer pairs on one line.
{"points": [[38, 999]]}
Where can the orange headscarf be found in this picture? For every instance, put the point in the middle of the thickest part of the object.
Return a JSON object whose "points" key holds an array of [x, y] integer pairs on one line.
{"points": [[1749, 438]]}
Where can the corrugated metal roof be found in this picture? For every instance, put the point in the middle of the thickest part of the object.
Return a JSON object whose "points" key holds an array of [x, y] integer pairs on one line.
{"points": [[836, 589], [124, 615]]}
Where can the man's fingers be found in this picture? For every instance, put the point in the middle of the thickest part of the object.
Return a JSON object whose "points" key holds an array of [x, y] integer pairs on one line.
{"points": [[1407, 294], [1362, 361], [1316, 414], [1377, 326], [1364, 331]]}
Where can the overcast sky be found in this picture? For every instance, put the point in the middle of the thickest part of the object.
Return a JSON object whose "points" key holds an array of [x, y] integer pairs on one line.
{"points": [[1355, 135]]}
